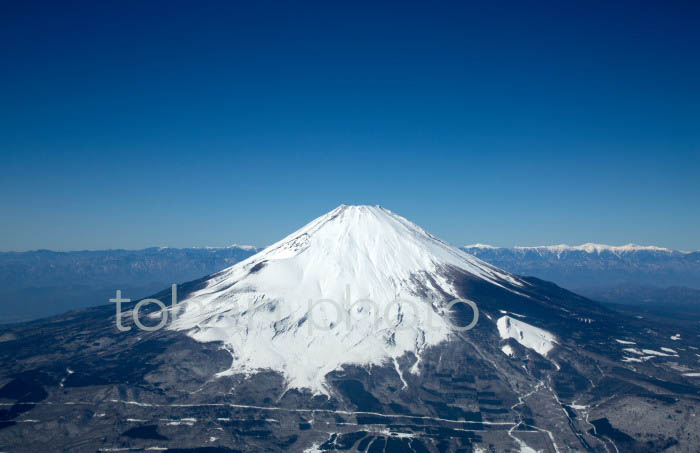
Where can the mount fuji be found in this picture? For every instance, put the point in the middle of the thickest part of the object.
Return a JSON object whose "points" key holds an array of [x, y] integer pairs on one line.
{"points": [[357, 285], [344, 335]]}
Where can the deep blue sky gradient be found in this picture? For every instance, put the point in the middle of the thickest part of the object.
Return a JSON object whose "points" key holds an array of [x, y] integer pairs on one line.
{"points": [[131, 124]]}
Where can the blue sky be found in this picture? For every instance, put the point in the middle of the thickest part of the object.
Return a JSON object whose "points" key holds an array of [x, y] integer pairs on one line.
{"points": [[133, 124]]}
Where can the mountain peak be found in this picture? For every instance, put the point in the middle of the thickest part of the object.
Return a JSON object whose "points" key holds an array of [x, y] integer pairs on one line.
{"points": [[399, 272]]}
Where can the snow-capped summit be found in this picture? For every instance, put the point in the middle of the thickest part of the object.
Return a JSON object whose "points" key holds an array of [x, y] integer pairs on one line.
{"points": [[359, 284]]}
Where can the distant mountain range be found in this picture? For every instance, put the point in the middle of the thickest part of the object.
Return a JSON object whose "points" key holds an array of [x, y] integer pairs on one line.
{"points": [[629, 274], [43, 282]]}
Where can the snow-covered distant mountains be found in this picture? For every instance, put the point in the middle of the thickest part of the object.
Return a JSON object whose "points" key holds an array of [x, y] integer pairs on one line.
{"points": [[619, 274], [579, 266], [43, 282]]}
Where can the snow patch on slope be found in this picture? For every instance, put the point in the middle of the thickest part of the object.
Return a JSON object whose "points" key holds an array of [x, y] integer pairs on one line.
{"points": [[527, 335], [508, 350]]}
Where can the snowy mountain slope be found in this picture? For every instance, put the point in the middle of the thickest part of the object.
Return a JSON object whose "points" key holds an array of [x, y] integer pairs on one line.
{"points": [[383, 280]]}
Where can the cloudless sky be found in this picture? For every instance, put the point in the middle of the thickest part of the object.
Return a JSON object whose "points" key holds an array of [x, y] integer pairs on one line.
{"points": [[127, 124]]}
